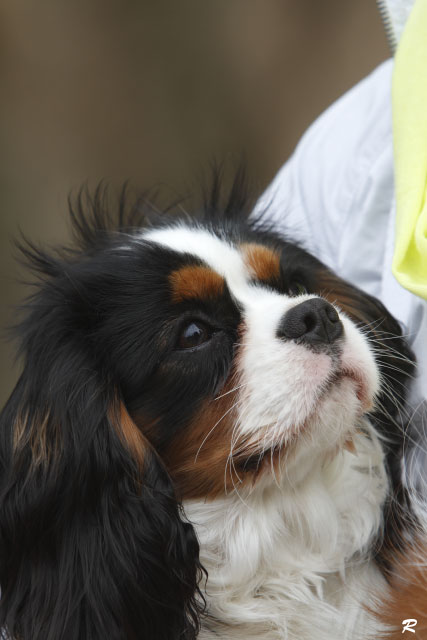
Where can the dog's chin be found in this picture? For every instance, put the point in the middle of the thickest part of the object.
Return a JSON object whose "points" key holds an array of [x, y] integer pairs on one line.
{"points": [[337, 417], [354, 385], [328, 430]]}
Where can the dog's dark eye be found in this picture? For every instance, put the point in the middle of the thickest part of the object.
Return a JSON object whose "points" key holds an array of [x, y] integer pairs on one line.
{"points": [[193, 335], [297, 288]]}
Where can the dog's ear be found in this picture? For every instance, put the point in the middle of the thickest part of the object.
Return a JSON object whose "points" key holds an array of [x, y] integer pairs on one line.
{"points": [[93, 544]]}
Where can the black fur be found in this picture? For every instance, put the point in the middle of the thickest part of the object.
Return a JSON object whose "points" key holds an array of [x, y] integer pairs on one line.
{"points": [[91, 546]]}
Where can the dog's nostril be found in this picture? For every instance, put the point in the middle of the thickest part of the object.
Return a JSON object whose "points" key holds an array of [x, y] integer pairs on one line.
{"points": [[332, 314], [314, 321], [309, 321]]}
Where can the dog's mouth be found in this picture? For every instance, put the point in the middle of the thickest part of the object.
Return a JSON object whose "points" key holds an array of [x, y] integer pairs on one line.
{"points": [[257, 461], [360, 381], [253, 459]]}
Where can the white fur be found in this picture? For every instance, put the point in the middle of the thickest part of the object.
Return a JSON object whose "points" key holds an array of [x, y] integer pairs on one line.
{"points": [[288, 558], [219, 254]]}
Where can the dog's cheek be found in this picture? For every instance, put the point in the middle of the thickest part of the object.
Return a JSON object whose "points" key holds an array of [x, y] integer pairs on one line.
{"points": [[198, 458]]}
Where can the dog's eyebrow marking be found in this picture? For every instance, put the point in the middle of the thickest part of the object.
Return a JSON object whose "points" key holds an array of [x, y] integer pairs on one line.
{"points": [[195, 282], [223, 258], [263, 262]]}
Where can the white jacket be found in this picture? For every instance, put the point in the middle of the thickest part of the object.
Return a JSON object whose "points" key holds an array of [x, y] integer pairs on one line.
{"points": [[336, 195]]}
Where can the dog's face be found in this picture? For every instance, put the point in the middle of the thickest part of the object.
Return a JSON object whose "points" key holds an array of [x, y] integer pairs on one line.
{"points": [[180, 361], [244, 365]]}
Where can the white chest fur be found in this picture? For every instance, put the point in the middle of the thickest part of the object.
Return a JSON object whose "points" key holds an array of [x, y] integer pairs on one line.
{"points": [[291, 560]]}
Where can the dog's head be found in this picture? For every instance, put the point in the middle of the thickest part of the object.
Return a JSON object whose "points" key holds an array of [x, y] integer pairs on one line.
{"points": [[184, 360]]}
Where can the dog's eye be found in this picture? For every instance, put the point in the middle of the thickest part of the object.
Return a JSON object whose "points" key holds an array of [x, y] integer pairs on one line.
{"points": [[193, 335], [297, 288]]}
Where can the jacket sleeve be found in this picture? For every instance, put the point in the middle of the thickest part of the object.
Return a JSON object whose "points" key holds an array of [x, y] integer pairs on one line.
{"points": [[335, 192]]}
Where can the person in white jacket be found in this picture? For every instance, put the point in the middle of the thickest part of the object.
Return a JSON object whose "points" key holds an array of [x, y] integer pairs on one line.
{"points": [[336, 195]]}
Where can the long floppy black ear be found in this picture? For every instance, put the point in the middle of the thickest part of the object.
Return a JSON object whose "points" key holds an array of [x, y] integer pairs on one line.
{"points": [[93, 544]]}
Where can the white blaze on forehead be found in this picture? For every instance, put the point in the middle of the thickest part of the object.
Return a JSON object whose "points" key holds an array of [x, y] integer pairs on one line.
{"points": [[282, 383], [226, 260], [218, 254]]}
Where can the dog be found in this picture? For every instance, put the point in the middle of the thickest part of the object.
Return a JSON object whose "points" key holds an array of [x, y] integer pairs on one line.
{"points": [[204, 441]]}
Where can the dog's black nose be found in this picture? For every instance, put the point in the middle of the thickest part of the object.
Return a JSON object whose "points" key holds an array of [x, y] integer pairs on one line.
{"points": [[314, 321]]}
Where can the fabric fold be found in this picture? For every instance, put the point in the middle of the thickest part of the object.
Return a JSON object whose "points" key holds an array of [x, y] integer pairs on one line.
{"points": [[410, 152]]}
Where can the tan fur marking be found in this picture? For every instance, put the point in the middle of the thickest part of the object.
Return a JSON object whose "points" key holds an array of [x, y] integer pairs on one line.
{"points": [[263, 262], [349, 445], [20, 438], [131, 436], [41, 435], [40, 443], [195, 282], [201, 458], [197, 457], [408, 595]]}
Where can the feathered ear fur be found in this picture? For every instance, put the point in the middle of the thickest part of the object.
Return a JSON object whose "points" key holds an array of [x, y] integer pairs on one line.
{"points": [[92, 541]]}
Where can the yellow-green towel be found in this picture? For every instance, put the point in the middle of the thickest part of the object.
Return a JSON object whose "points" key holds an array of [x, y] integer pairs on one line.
{"points": [[410, 149]]}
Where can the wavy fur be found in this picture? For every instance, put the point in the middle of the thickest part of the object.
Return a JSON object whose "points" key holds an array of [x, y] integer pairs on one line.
{"points": [[113, 426]]}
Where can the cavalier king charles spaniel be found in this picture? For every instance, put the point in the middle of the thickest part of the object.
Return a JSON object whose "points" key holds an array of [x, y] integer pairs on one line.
{"points": [[207, 440]]}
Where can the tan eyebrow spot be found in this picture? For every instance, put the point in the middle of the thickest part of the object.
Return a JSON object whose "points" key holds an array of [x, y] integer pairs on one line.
{"points": [[195, 282], [263, 262]]}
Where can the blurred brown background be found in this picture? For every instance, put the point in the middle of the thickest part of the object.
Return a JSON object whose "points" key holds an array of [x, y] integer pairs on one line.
{"points": [[151, 90]]}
